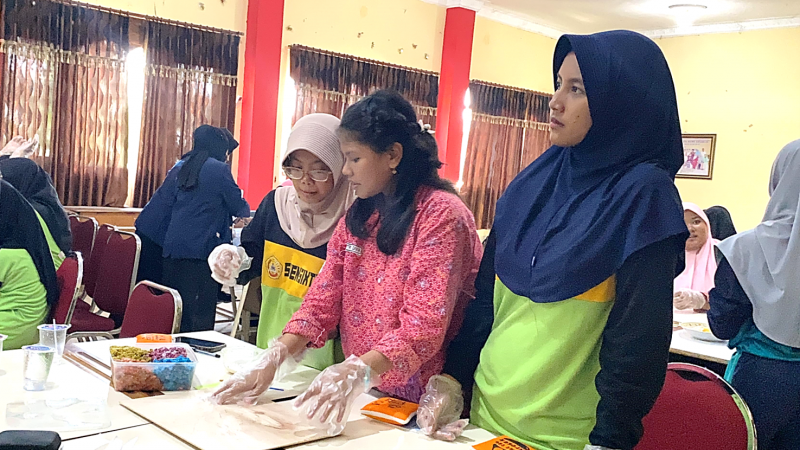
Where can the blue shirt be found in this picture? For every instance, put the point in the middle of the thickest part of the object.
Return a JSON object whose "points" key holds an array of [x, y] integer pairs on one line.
{"points": [[731, 317], [189, 224]]}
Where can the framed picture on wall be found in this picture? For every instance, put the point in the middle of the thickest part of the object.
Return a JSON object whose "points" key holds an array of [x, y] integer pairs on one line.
{"points": [[698, 156]]}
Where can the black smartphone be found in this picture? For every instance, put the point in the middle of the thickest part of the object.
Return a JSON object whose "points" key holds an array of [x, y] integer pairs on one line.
{"points": [[201, 344]]}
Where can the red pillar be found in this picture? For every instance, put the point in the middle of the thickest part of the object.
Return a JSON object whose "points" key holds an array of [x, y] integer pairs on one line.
{"points": [[261, 84], [453, 84]]}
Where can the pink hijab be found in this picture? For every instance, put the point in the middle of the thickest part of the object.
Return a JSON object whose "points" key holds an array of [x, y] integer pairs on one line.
{"points": [[701, 265]]}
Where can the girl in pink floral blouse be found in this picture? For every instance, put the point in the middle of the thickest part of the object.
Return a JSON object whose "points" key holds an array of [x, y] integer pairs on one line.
{"points": [[400, 270]]}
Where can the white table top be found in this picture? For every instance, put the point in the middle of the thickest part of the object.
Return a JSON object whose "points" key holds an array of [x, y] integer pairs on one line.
{"points": [[68, 380], [361, 433], [684, 344]]}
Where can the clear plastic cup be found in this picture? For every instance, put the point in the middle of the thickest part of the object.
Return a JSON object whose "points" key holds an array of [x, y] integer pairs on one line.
{"points": [[36, 366], [53, 336]]}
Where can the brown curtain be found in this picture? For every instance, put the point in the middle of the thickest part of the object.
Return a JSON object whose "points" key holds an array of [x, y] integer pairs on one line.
{"points": [[507, 133], [328, 82], [190, 81], [64, 80]]}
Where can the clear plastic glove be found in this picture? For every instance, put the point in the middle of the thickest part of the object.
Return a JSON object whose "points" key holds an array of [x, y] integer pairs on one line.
{"points": [[596, 447], [247, 384], [326, 403], [12, 146], [226, 263], [688, 299], [27, 149], [440, 408]]}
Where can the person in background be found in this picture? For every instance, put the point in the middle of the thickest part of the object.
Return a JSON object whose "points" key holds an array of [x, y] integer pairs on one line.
{"points": [[571, 325], [35, 185], [187, 217], [291, 230], [721, 222], [28, 286], [400, 270], [755, 306], [693, 284]]}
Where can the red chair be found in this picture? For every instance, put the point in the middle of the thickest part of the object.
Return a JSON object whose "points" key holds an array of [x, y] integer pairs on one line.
{"points": [[152, 308], [93, 263], [84, 230], [70, 276], [116, 275], [697, 409]]}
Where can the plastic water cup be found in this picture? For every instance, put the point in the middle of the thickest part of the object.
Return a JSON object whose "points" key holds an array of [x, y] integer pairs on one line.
{"points": [[36, 366], [53, 336]]}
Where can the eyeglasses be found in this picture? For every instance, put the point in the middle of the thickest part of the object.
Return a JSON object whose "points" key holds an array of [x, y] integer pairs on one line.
{"points": [[296, 173]]}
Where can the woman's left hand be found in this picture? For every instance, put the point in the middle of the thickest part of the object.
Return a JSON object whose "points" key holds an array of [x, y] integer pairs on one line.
{"points": [[328, 400], [688, 299]]}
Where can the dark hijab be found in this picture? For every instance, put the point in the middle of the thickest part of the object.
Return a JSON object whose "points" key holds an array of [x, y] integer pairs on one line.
{"points": [[36, 186], [570, 219], [19, 228], [721, 222], [208, 142]]}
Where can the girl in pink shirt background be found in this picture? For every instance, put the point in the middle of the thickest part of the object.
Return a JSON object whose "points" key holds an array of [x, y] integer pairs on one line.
{"points": [[399, 272]]}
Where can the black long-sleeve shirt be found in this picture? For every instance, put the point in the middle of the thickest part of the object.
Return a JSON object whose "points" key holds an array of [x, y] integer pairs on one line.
{"points": [[635, 346]]}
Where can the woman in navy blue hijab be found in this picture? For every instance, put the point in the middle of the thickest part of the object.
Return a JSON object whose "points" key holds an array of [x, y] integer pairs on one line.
{"points": [[571, 327]]}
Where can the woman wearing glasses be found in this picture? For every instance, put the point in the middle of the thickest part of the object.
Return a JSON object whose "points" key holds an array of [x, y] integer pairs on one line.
{"points": [[288, 237]]}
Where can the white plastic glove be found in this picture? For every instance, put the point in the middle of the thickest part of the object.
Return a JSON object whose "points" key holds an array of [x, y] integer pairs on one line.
{"points": [[688, 299], [226, 263], [596, 447], [27, 149], [440, 408], [326, 403], [12, 146], [246, 385]]}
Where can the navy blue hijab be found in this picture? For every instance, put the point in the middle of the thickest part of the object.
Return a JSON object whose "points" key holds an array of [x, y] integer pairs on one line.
{"points": [[570, 219]]}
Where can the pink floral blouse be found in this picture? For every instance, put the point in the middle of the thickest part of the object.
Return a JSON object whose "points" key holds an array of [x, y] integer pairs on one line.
{"points": [[408, 306]]}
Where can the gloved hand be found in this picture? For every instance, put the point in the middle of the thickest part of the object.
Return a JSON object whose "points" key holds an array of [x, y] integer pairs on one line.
{"points": [[688, 299], [596, 447], [27, 149], [439, 413], [247, 384], [226, 262], [12, 145], [326, 403]]}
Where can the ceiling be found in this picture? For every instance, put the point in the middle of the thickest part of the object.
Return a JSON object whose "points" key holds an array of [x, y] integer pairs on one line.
{"points": [[652, 17]]}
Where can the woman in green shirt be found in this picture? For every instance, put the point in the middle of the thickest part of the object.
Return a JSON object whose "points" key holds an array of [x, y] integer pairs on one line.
{"points": [[28, 287], [35, 185]]}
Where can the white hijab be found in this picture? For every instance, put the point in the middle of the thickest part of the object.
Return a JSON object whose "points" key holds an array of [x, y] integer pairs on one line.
{"points": [[312, 225], [766, 259]]}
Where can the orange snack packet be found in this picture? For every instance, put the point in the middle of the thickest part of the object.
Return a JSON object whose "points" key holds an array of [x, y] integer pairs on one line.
{"points": [[153, 338], [391, 411], [502, 443]]}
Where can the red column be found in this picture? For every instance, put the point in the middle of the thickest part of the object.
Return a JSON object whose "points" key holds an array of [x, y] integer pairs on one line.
{"points": [[261, 84], [453, 84]]}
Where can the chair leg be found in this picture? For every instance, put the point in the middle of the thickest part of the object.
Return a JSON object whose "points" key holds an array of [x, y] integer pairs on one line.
{"points": [[246, 326]]}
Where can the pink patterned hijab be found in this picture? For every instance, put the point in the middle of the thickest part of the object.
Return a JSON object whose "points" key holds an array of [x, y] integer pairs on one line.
{"points": [[701, 265]]}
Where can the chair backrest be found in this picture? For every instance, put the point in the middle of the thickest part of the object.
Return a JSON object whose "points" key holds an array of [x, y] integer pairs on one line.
{"points": [[70, 276], [116, 272], [84, 230], [152, 308], [93, 263], [697, 409], [252, 296]]}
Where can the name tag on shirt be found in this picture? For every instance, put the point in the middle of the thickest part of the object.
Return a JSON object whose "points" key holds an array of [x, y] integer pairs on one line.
{"points": [[353, 248]]}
